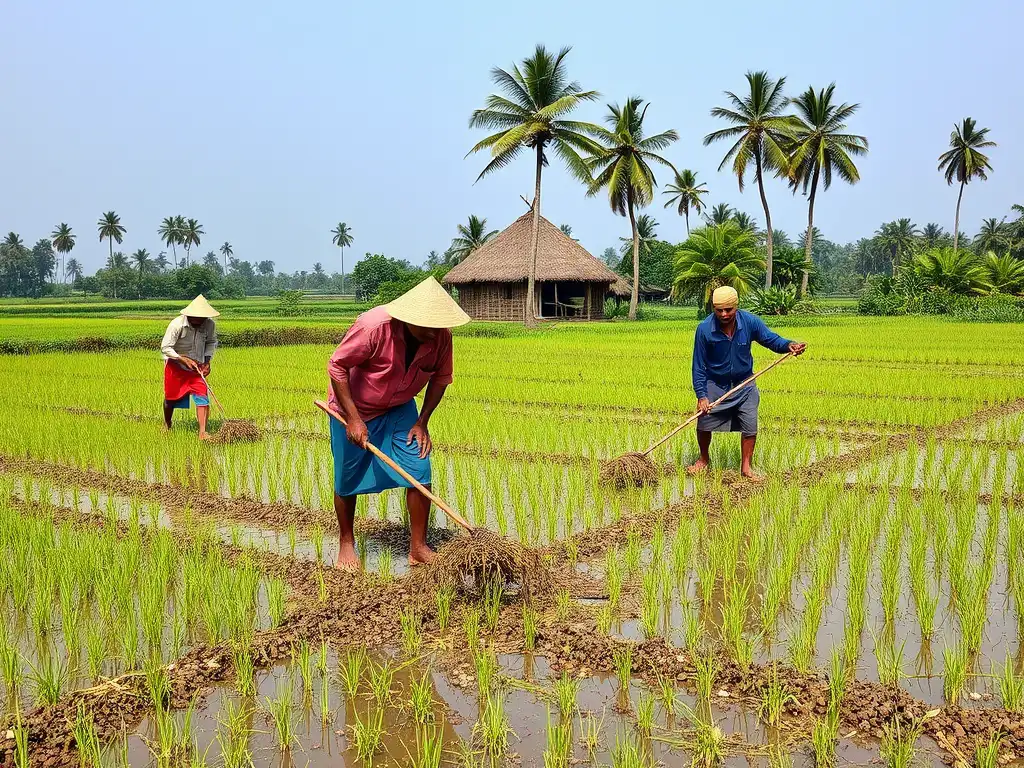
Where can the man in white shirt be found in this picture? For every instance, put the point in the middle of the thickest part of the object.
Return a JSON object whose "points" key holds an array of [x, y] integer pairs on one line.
{"points": [[188, 348]]}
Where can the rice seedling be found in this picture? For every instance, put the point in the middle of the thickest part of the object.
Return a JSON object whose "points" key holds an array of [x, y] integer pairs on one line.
{"points": [[529, 627], [275, 590], [604, 618], [1011, 687], [706, 667], [494, 592], [282, 716], [385, 565], [899, 743], [232, 736], [443, 598], [565, 690], [486, 664], [824, 735], [836, 680], [774, 698], [558, 743], [10, 666], [293, 536], [429, 748], [411, 636], [421, 699], [87, 740], [49, 678], [245, 672], [471, 628], [590, 733], [622, 659], [890, 660], [563, 602], [381, 678], [986, 754], [955, 662], [302, 659], [492, 729], [627, 753], [351, 671], [367, 734], [645, 714]]}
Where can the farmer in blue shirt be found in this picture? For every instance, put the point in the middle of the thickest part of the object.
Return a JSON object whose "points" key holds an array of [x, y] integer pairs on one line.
{"points": [[721, 360]]}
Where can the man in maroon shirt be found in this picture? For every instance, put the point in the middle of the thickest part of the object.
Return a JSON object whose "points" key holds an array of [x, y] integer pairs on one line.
{"points": [[385, 359]]}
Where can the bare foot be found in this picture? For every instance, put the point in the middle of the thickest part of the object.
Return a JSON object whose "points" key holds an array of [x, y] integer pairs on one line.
{"points": [[697, 467], [347, 559], [751, 476], [421, 555], [204, 435]]}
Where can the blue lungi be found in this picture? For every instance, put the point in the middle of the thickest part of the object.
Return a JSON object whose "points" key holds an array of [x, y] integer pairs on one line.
{"points": [[357, 471], [737, 414]]}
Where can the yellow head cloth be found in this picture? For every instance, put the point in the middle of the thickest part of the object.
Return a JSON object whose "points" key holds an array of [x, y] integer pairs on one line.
{"points": [[724, 297]]}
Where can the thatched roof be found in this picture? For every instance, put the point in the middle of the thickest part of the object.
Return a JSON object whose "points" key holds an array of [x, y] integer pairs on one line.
{"points": [[623, 288], [505, 259]]}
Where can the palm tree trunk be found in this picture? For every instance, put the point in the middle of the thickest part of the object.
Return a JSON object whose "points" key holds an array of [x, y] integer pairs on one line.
{"points": [[810, 232], [342, 270], [634, 295], [687, 214], [956, 221], [767, 221], [174, 252], [531, 281]]}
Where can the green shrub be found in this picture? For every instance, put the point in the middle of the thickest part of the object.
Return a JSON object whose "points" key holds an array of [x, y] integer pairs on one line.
{"points": [[288, 304]]}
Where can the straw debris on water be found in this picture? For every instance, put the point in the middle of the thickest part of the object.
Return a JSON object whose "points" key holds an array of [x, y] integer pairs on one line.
{"points": [[630, 469]]}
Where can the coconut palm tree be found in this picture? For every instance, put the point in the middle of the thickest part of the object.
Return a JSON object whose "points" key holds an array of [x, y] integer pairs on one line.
{"points": [[685, 193], [956, 271], [964, 161], [790, 265], [160, 262], [170, 234], [471, 236], [110, 229], [623, 167], [720, 214], [994, 235], [533, 114], [63, 242], [227, 251], [821, 147], [746, 222], [899, 238], [566, 229], [760, 132], [73, 270], [716, 255], [646, 229], [191, 234], [143, 262], [933, 236], [342, 238], [116, 263], [1004, 273]]}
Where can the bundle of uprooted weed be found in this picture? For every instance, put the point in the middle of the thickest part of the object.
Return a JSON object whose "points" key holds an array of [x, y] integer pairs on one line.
{"points": [[237, 431], [629, 469], [467, 563]]}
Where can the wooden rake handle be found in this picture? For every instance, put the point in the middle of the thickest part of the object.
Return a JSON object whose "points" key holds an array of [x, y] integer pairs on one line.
{"points": [[719, 401], [213, 397], [438, 501]]}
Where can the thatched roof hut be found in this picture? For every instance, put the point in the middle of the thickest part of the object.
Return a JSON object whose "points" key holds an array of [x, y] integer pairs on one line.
{"points": [[623, 289], [571, 283]]}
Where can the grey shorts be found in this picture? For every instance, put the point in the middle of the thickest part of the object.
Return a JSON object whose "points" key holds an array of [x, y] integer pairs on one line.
{"points": [[737, 414]]}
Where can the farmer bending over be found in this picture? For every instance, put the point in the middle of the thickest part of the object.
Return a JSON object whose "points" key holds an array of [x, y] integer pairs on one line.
{"points": [[188, 348], [385, 359], [721, 360]]}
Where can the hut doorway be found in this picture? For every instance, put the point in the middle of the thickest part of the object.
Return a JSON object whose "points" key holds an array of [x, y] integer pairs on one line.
{"points": [[563, 298]]}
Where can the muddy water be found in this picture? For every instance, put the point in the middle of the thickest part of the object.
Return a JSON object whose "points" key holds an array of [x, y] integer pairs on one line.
{"points": [[324, 723]]}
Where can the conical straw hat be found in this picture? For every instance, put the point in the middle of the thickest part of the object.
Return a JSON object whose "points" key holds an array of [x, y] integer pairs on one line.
{"points": [[428, 305], [200, 307]]}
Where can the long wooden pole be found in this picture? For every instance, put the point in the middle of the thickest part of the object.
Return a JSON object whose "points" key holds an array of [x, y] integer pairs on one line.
{"points": [[438, 501], [720, 400]]}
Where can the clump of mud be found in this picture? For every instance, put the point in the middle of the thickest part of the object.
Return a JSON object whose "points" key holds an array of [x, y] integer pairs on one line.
{"points": [[237, 431], [629, 469], [469, 563]]}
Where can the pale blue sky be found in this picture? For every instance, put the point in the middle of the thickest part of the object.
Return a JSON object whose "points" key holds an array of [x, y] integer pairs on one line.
{"points": [[272, 122]]}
